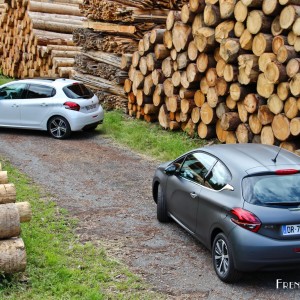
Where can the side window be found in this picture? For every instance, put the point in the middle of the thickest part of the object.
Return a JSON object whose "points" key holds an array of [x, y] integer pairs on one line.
{"points": [[196, 166], [218, 177], [39, 91], [12, 91]]}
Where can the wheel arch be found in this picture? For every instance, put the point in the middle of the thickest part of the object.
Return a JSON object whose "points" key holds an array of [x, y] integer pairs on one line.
{"points": [[156, 183]]}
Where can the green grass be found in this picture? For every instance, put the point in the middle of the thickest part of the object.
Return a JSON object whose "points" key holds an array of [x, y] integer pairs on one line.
{"points": [[58, 265], [4, 79], [147, 138]]}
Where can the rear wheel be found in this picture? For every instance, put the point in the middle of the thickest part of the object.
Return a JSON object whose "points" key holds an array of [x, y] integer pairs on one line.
{"points": [[223, 260], [59, 127], [162, 212]]}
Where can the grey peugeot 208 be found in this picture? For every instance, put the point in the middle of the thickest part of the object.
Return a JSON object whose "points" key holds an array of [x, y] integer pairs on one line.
{"points": [[241, 201]]}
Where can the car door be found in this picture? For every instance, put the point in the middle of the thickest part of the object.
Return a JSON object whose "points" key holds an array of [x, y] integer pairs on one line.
{"points": [[10, 97], [184, 189], [213, 201], [37, 105]]}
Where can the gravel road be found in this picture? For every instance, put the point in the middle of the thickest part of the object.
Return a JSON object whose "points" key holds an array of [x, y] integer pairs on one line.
{"points": [[108, 188]]}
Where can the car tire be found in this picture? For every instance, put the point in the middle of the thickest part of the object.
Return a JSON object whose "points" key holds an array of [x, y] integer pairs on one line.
{"points": [[162, 212], [222, 257], [59, 128]]}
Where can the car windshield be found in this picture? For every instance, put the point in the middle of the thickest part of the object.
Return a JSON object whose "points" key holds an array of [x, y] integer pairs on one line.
{"points": [[78, 90], [272, 190]]}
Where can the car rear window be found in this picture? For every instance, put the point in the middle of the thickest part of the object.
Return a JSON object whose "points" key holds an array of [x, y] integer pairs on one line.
{"points": [[272, 190], [78, 90]]}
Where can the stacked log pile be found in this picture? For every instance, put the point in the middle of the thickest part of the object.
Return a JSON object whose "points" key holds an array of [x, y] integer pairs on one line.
{"points": [[36, 37], [12, 249], [227, 69], [112, 29]]}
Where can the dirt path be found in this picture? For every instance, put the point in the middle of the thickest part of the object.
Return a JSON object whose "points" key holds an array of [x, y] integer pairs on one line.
{"points": [[109, 189]]}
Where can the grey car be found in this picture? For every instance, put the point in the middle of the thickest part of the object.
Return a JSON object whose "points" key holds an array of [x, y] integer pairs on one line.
{"points": [[241, 201]]}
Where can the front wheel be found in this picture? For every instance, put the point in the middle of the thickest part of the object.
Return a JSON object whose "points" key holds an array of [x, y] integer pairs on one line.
{"points": [[162, 212], [59, 127], [223, 260]]}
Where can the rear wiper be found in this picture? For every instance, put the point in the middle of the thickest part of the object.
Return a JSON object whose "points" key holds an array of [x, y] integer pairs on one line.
{"points": [[282, 203]]}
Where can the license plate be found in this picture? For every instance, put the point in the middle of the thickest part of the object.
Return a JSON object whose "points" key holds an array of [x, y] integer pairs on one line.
{"points": [[92, 106], [291, 229]]}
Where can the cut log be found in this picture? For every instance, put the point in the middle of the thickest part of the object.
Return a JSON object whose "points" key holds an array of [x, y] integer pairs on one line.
{"points": [[192, 51], [243, 114], [271, 7], [13, 256], [208, 114], [227, 8], [281, 127], [221, 109], [258, 22], [264, 59], [267, 136], [224, 30], [293, 67], [246, 40], [24, 209], [199, 98], [275, 72], [229, 49], [244, 133], [163, 117], [291, 110], [3, 177], [264, 87], [7, 193], [283, 90], [255, 124], [295, 126], [9, 221], [220, 132], [238, 92], [275, 104], [286, 53], [158, 95], [211, 15], [182, 35], [230, 121], [295, 85], [265, 115], [195, 115], [240, 12], [262, 43], [288, 16], [206, 131], [239, 28], [231, 138], [252, 102]]}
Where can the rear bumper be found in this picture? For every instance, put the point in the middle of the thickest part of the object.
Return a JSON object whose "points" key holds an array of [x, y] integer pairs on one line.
{"points": [[83, 121], [254, 252]]}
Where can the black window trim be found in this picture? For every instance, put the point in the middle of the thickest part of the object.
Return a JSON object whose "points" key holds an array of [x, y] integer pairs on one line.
{"points": [[38, 84], [209, 171]]}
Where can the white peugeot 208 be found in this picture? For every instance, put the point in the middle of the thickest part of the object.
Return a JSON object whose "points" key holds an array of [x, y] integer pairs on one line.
{"points": [[59, 106]]}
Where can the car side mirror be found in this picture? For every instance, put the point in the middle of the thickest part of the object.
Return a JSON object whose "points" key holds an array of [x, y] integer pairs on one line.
{"points": [[227, 187], [171, 170]]}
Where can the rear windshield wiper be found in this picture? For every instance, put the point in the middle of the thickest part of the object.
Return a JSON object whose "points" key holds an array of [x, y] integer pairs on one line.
{"points": [[282, 203]]}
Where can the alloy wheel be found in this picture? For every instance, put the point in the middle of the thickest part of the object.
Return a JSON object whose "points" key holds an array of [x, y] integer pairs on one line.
{"points": [[221, 257]]}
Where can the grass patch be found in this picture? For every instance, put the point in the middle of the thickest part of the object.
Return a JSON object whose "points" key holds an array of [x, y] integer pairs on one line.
{"points": [[4, 79], [147, 138], [58, 265]]}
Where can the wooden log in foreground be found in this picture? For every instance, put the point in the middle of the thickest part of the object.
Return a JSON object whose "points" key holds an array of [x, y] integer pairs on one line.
{"points": [[7, 193], [3, 177], [13, 256]]}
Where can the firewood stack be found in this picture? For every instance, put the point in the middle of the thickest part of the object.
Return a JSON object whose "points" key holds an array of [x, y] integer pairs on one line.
{"points": [[36, 37], [112, 29], [227, 69], [12, 249]]}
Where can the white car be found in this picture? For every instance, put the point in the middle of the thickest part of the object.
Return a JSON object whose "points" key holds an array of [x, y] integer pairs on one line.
{"points": [[59, 106]]}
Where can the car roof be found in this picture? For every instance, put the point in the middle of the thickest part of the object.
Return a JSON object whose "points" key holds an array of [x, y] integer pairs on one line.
{"points": [[55, 82], [253, 158]]}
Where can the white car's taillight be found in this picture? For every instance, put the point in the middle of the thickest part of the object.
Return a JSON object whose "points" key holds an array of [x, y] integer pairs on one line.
{"points": [[72, 106]]}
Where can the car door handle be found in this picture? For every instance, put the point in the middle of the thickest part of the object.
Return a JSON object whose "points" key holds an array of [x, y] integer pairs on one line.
{"points": [[44, 104], [193, 195], [15, 105]]}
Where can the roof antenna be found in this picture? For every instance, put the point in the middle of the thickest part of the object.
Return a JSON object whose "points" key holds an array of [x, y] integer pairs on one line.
{"points": [[275, 158]]}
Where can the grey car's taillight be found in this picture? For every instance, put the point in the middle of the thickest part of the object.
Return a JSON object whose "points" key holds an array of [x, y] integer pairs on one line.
{"points": [[245, 219]]}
